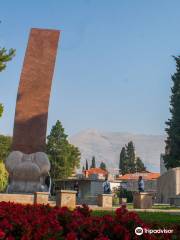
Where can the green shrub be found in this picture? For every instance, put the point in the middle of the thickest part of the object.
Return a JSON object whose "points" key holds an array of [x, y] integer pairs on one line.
{"points": [[3, 177]]}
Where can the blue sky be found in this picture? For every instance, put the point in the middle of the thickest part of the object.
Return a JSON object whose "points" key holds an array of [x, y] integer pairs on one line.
{"points": [[113, 65]]}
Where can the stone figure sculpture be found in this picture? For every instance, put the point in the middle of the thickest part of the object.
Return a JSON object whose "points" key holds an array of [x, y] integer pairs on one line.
{"points": [[27, 164]]}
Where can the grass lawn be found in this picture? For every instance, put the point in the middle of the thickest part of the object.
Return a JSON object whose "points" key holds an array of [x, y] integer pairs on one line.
{"points": [[149, 217], [157, 206]]}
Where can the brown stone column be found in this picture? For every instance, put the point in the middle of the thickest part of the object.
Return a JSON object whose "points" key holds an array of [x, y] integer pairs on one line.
{"points": [[30, 123]]}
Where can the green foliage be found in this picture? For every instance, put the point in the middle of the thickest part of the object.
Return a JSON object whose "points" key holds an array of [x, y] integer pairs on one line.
{"points": [[140, 165], [64, 157], [128, 162], [5, 56], [3, 177], [124, 193], [5, 145], [93, 164], [130, 151], [1, 109], [172, 153], [87, 167], [123, 162], [103, 166]]}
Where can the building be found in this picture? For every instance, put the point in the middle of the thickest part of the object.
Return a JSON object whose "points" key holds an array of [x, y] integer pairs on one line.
{"points": [[96, 173], [130, 181], [90, 184]]}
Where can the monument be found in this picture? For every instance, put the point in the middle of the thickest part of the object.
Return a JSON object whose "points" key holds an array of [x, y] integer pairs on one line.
{"points": [[27, 164]]}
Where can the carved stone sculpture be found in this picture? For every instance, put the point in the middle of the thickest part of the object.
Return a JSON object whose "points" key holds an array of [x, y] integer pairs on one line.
{"points": [[27, 172], [28, 165]]}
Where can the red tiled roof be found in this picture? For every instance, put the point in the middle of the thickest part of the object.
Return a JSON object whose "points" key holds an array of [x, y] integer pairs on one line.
{"points": [[135, 176], [95, 171]]}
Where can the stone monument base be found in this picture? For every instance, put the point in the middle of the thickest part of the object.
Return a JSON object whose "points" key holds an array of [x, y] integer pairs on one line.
{"points": [[105, 200], [17, 198], [142, 200], [66, 198], [41, 197]]}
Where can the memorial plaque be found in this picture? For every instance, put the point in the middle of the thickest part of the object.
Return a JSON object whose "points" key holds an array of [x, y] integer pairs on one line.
{"points": [[29, 135]]}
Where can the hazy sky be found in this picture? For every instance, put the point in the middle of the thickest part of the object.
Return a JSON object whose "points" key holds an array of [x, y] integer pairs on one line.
{"points": [[113, 65]]}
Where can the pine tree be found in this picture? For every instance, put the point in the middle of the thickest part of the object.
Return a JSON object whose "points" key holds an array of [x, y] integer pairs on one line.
{"points": [[140, 165], [172, 151], [4, 58], [64, 157], [103, 166], [93, 164], [130, 151], [1, 109], [83, 168], [87, 167], [123, 162]]}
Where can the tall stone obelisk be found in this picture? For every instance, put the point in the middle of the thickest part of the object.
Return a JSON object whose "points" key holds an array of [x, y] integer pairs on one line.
{"points": [[27, 164]]}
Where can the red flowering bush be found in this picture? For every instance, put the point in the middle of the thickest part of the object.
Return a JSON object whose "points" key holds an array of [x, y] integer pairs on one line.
{"points": [[42, 222]]}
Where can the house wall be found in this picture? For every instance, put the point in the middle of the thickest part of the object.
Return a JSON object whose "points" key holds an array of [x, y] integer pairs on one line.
{"points": [[168, 185]]}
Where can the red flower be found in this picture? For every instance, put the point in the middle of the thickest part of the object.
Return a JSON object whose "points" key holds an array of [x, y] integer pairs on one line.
{"points": [[2, 234], [71, 236]]}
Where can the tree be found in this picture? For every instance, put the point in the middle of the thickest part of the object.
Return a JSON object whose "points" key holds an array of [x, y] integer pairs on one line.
{"points": [[4, 58], [130, 151], [140, 165], [128, 162], [123, 162], [83, 168], [93, 164], [87, 167], [64, 157], [172, 150], [5, 146], [3, 177], [1, 109], [103, 166]]}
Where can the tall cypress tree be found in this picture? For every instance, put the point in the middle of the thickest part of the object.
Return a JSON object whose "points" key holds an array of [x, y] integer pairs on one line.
{"points": [[130, 150], [172, 150], [93, 164], [123, 162], [87, 167]]}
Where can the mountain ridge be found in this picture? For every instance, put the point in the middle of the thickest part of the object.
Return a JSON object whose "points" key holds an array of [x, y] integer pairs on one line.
{"points": [[106, 147]]}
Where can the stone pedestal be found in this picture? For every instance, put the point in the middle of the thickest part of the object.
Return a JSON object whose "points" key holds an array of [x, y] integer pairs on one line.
{"points": [[142, 200], [105, 200], [66, 198], [41, 197]]}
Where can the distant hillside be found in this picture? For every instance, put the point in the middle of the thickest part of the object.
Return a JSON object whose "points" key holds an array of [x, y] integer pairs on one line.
{"points": [[106, 146]]}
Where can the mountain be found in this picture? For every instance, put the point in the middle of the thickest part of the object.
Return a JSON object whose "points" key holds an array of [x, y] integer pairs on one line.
{"points": [[106, 147]]}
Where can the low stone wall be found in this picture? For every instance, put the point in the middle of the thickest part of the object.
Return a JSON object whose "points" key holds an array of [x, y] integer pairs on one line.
{"points": [[168, 185], [17, 198]]}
